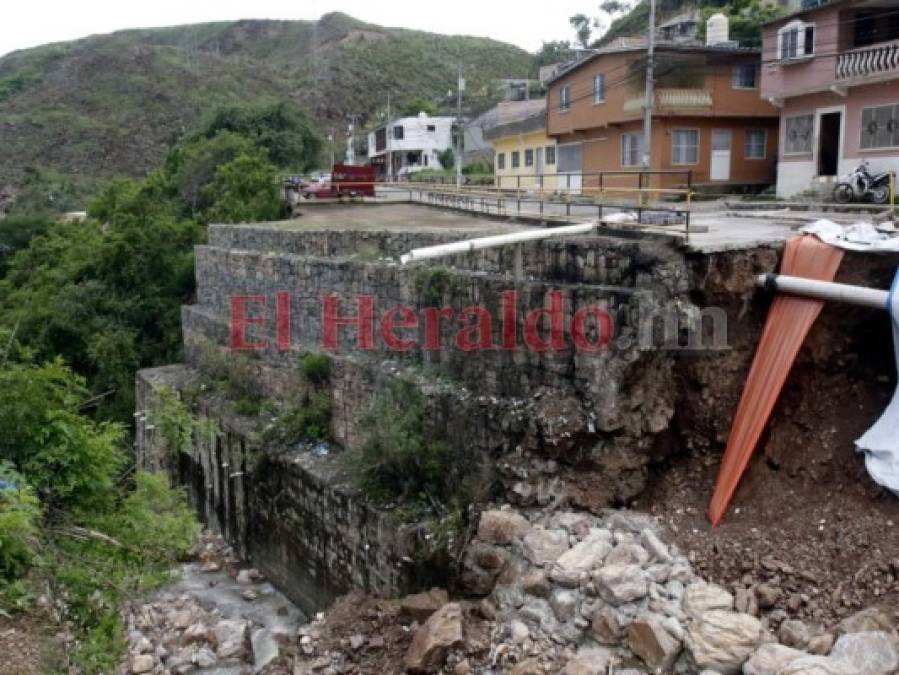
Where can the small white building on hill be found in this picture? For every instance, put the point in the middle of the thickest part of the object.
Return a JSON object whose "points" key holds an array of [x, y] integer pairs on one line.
{"points": [[409, 144]]}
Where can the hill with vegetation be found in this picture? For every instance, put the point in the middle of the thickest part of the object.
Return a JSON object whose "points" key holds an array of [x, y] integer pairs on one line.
{"points": [[110, 105]]}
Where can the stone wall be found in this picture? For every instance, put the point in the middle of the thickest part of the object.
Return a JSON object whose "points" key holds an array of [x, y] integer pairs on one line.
{"points": [[291, 512]]}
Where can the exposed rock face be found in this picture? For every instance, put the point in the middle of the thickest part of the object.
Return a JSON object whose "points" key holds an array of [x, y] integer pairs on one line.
{"points": [[442, 631], [723, 640]]}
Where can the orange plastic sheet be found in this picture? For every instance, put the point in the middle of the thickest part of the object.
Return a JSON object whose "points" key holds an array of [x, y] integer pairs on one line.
{"points": [[789, 321]]}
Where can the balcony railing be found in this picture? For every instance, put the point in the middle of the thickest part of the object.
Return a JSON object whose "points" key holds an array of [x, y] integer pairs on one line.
{"points": [[873, 60], [693, 99]]}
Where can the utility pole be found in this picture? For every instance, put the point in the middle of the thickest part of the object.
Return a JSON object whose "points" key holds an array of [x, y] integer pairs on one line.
{"points": [[351, 141], [460, 143], [650, 83]]}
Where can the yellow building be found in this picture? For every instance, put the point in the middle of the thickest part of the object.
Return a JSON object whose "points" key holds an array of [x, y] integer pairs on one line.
{"points": [[524, 156]]}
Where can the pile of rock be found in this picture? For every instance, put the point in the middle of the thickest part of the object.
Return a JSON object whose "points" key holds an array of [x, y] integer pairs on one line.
{"points": [[175, 634], [579, 594]]}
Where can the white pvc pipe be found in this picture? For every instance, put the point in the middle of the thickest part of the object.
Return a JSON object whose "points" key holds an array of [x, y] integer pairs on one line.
{"points": [[825, 290], [453, 248]]}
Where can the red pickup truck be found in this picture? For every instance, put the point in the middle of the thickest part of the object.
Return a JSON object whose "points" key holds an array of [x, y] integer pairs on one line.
{"points": [[346, 181]]}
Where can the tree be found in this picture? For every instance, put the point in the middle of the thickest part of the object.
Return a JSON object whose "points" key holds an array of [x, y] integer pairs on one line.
{"points": [[582, 27], [447, 158], [557, 51], [417, 105], [746, 18], [288, 136], [243, 190]]}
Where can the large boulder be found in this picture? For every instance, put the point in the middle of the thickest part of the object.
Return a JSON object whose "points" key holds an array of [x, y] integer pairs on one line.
{"points": [[575, 564], [622, 583], [420, 606], [872, 652], [870, 619], [770, 658], [723, 640], [589, 661], [655, 646], [502, 527], [440, 632], [701, 597], [543, 547], [818, 665]]}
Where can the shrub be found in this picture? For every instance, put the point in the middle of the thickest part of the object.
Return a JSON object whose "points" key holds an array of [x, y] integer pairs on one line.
{"points": [[309, 420], [19, 518], [396, 460], [316, 367], [70, 460], [177, 426], [154, 519]]}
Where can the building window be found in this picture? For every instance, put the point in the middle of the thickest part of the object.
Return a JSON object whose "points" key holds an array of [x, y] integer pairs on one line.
{"points": [[431, 128], [398, 132], [745, 76], [529, 157], [565, 97], [381, 139], [516, 159], [685, 146], [501, 161], [631, 149], [756, 142], [798, 134], [880, 127], [550, 154], [599, 88], [795, 40]]}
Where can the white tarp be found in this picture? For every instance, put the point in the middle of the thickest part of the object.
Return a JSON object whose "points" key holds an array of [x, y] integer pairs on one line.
{"points": [[858, 237], [880, 443]]}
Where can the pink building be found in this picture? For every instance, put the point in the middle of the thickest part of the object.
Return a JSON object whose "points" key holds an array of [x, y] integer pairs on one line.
{"points": [[833, 70]]}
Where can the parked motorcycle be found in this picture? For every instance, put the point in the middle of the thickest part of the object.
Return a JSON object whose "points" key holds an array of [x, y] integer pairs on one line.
{"points": [[861, 185]]}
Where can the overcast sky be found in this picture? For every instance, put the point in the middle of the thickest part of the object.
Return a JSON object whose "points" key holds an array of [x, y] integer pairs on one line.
{"points": [[28, 23]]}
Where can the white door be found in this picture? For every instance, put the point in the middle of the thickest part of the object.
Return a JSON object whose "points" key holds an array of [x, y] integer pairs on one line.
{"points": [[570, 166], [721, 141]]}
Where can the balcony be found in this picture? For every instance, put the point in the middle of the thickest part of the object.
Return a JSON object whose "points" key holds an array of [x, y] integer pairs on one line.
{"points": [[879, 59], [674, 99]]}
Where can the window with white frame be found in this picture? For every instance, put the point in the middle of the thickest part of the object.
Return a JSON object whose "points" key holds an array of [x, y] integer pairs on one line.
{"points": [[756, 141], [565, 97], [798, 134], [516, 159], [685, 146], [500, 160], [880, 127], [631, 149], [529, 157], [796, 40], [599, 88], [398, 132], [745, 76], [550, 154]]}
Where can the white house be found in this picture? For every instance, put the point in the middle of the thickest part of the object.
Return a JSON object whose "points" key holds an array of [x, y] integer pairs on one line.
{"points": [[409, 144]]}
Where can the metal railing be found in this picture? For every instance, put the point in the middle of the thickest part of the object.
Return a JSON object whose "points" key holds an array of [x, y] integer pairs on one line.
{"points": [[882, 58]]}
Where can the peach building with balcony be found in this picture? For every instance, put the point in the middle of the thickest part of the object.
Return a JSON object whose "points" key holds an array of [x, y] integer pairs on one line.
{"points": [[833, 71]]}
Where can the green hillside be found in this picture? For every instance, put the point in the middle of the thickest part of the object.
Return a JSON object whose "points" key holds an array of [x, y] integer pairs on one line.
{"points": [[109, 105]]}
